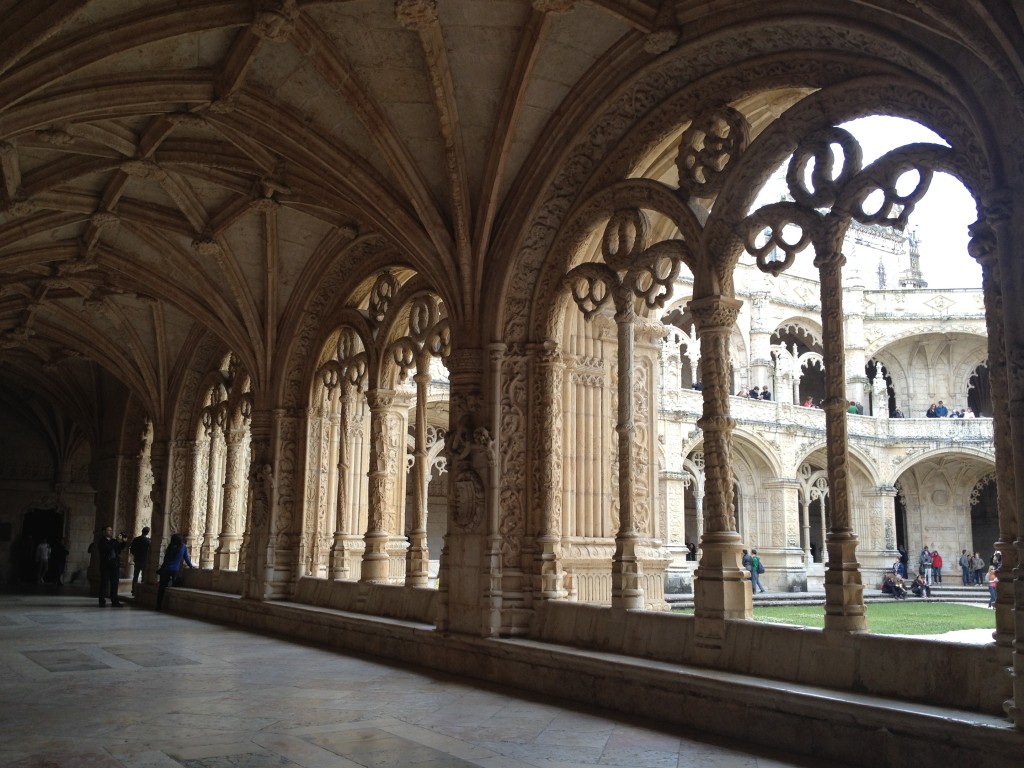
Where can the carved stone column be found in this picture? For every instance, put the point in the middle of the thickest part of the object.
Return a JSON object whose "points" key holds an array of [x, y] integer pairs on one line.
{"points": [[230, 538], [380, 508], [260, 556], [160, 463], [995, 239], [215, 434], [627, 571], [548, 373], [196, 515], [760, 343], [844, 592], [720, 587], [418, 558], [470, 450], [983, 247], [144, 486], [345, 534]]}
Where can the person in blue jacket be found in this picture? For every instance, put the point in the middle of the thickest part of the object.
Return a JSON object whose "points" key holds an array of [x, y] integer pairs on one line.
{"points": [[174, 555]]}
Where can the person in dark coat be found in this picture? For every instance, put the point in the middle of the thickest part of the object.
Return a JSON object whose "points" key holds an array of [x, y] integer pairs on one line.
{"points": [[109, 551], [175, 554], [140, 555]]}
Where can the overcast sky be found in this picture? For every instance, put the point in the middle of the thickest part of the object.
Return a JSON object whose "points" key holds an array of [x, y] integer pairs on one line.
{"points": [[943, 215]]}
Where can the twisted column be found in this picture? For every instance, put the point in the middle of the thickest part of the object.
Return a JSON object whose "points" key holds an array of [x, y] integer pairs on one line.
{"points": [[844, 592], [376, 568], [720, 588]]}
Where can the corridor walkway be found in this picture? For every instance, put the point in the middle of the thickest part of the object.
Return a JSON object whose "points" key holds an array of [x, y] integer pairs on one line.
{"points": [[98, 688]]}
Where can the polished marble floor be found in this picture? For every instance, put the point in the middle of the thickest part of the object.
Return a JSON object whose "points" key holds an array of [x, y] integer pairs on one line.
{"points": [[104, 687]]}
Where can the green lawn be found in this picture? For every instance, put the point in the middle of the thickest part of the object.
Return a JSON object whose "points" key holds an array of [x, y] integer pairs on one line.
{"points": [[896, 618]]}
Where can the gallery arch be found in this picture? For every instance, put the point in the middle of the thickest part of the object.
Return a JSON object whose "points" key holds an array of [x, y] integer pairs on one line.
{"points": [[453, 330]]}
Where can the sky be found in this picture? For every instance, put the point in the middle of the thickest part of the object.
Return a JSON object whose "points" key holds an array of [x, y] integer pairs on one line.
{"points": [[944, 213]]}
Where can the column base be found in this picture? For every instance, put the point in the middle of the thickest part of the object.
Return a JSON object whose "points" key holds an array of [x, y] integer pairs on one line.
{"points": [[844, 592], [721, 588]]}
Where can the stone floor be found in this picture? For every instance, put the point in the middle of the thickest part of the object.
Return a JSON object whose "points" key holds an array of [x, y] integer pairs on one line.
{"points": [[104, 687]]}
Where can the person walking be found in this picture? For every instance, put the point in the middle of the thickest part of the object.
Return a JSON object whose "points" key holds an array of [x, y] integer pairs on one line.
{"points": [[175, 554], [756, 569], [140, 556], [109, 556]]}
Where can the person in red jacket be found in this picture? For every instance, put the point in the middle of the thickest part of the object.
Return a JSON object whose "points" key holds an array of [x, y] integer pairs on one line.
{"points": [[936, 566]]}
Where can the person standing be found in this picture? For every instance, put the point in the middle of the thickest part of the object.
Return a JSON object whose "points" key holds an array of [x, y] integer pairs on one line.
{"points": [[926, 565], [756, 569], [936, 566], [140, 555], [42, 559], [978, 566], [965, 567], [993, 581], [175, 554], [109, 551]]}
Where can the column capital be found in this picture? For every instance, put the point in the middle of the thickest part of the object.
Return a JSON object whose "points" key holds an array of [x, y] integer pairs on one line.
{"points": [[714, 313]]}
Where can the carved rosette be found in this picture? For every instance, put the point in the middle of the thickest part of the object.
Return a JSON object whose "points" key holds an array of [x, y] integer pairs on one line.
{"points": [[713, 141]]}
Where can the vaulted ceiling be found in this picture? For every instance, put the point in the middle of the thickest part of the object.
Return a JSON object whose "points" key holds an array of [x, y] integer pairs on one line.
{"points": [[172, 170]]}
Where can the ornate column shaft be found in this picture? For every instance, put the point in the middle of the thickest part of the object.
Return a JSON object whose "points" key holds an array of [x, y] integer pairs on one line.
{"points": [[260, 513], [160, 464], [627, 576], [230, 539], [549, 370], [470, 452], [760, 344], [197, 506], [381, 504], [844, 592], [418, 559], [213, 496], [993, 226], [805, 527], [995, 244], [344, 533], [720, 588]]}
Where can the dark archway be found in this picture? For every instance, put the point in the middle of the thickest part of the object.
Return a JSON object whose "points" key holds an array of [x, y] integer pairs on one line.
{"points": [[984, 517], [38, 524], [871, 370], [979, 392]]}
